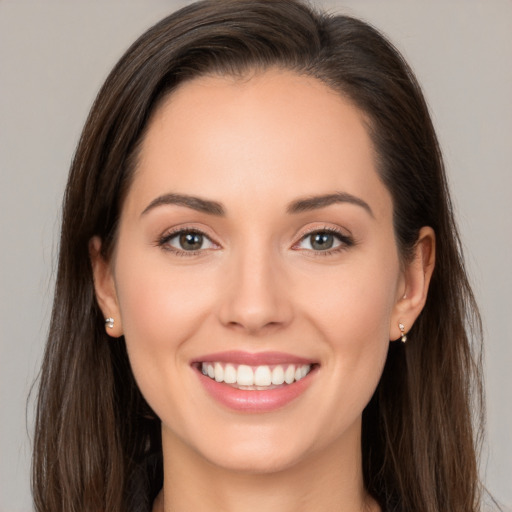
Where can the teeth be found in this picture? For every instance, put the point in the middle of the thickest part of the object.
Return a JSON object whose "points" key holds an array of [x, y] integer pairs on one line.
{"points": [[262, 376], [289, 375], [258, 376], [245, 376], [229, 374], [219, 372], [277, 376]]}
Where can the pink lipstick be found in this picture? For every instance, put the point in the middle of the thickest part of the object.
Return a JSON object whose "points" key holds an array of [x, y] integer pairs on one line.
{"points": [[254, 382]]}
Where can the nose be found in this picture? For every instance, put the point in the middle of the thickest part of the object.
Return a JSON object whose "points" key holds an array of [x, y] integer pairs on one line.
{"points": [[256, 296]]}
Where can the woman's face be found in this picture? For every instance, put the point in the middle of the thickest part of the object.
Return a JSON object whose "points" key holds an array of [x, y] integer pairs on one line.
{"points": [[256, 245]]}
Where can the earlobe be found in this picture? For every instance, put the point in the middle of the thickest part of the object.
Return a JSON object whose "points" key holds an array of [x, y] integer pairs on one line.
{"points": [[105, 289], [416, 282]]}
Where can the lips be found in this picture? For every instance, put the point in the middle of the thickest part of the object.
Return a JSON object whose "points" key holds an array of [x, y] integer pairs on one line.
{"points": [[260, 382]]}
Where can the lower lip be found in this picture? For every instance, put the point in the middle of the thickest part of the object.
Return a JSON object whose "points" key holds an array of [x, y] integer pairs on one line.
{"points": [[255, 400]]}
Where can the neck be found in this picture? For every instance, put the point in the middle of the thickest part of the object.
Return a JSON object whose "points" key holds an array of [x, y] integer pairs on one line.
{"points": [[326, 481]]}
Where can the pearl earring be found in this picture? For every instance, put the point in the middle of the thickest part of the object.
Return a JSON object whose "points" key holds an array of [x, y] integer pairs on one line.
{"points": [[109, 322], [403, 338]]}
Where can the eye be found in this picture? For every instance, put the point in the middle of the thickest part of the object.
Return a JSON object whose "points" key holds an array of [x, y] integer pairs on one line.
{"points": [[324, 240], [187, 241]]}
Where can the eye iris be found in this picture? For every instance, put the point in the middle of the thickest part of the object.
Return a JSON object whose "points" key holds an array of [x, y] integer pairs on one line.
{"points": [[191, 241], [322, 241]]}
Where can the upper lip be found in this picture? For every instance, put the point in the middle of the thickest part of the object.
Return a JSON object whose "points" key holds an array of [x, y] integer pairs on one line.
{"points": [[252, 359]]}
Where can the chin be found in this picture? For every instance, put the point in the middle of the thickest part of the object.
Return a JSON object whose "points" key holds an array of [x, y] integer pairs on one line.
{"points": [[255, 461], [256, 450]]}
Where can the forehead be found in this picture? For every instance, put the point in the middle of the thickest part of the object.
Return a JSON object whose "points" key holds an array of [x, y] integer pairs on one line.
{"points": [[218, 136]]}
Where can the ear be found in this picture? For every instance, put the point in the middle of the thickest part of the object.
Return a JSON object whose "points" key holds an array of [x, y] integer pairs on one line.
{"points": [[413, 289], [104, 287]]}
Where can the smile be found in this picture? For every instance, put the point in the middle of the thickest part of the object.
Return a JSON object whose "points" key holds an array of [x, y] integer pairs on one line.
{"points": [[255, 383], [260, 377]]}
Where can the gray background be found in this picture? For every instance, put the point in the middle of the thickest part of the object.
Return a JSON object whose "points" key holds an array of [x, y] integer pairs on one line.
{"points": [[53, 58]]}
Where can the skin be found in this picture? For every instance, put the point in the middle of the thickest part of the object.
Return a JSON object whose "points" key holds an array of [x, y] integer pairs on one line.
{"points": [[255, 146]]}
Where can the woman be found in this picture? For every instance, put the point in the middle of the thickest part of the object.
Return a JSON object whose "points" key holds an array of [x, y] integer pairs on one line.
{"points": [[257, 206]]}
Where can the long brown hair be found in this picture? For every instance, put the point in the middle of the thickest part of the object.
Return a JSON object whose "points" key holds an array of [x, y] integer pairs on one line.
{"points": [[94, 431]]}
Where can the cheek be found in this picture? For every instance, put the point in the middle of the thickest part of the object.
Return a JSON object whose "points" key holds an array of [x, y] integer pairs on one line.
{"points": [[160, 310], [355, 306], [155, 294], [353, 314]]}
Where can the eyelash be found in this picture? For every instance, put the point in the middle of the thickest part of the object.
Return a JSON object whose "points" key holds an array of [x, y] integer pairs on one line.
{"points": [[164, 240], [345, 241]]}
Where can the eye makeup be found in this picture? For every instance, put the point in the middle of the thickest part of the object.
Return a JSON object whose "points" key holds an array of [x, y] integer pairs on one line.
{"points": [[186, 241], [190, 241], [324, 241]]}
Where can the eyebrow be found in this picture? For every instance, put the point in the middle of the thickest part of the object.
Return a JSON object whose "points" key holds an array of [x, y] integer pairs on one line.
{"points": [[298, 206], [317, 202], [195, 203]]}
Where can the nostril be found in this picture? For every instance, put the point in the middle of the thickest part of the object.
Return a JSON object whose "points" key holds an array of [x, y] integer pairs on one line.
{"points": [[254, 302], [254, 326]]}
